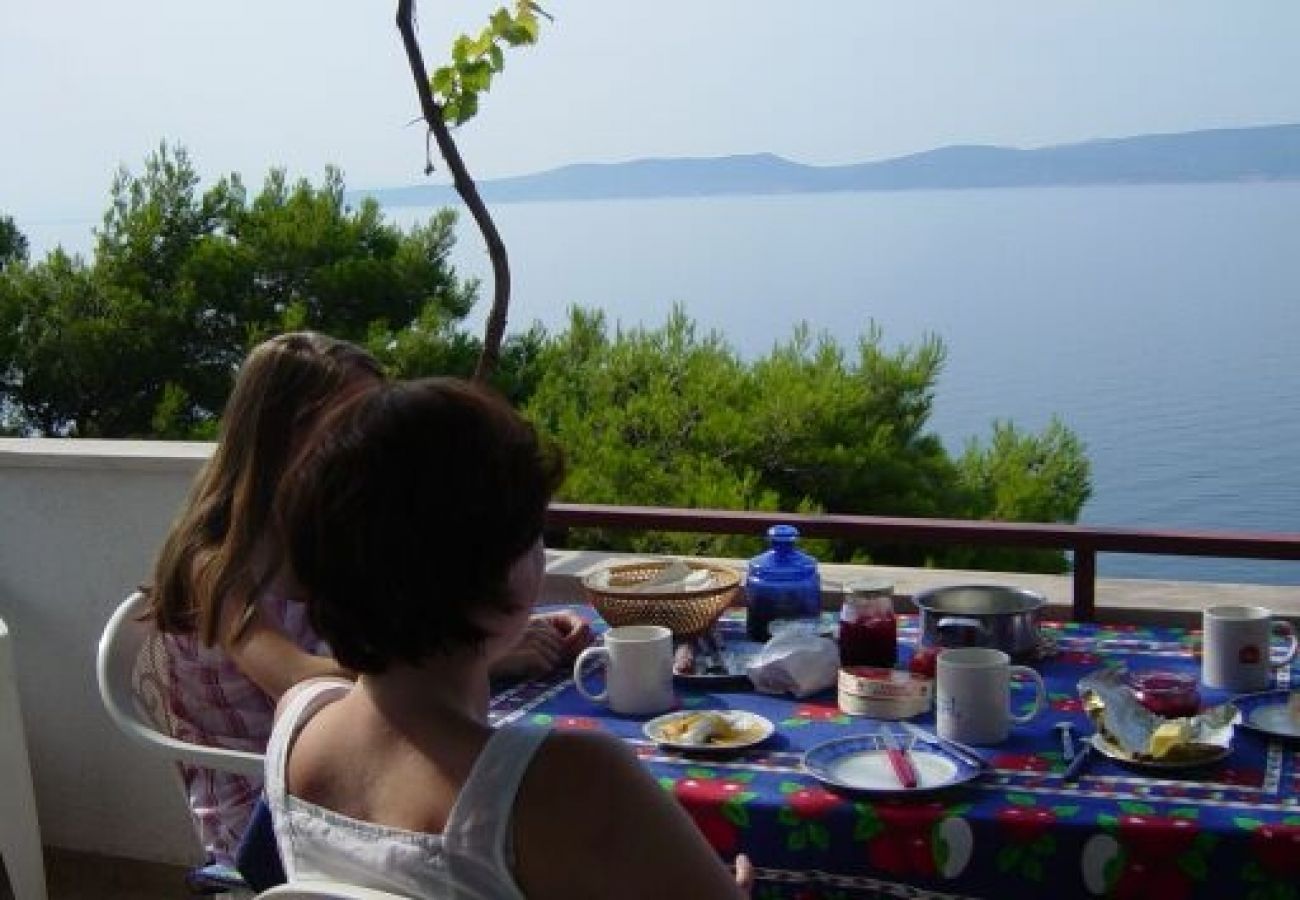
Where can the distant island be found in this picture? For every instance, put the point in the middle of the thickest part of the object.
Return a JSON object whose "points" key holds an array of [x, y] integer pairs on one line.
{"points": [[1264, 153]]}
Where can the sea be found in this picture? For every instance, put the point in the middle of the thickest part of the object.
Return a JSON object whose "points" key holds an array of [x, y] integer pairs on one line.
{"points": [[1160, 323]]}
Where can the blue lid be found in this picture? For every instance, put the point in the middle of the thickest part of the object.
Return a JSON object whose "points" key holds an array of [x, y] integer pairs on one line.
{"points": [[784, 561]]}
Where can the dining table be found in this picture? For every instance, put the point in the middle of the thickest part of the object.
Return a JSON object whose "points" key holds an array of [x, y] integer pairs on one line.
{"points": [[1230, 829]]}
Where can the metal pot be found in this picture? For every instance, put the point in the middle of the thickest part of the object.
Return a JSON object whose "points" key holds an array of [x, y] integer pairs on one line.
{"points": [[981, 615]]}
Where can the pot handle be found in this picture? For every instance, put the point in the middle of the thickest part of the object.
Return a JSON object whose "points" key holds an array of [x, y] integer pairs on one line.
{"points": [[970, 632]]}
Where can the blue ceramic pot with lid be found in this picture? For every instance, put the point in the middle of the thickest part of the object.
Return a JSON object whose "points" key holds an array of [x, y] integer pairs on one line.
{"points": [[781, 583]]}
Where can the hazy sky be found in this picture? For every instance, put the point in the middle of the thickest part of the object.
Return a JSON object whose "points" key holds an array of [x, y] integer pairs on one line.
{"points": [[249, 84]]}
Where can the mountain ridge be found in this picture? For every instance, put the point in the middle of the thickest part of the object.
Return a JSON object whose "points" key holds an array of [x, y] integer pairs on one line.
{"points": [[1256, 153]]}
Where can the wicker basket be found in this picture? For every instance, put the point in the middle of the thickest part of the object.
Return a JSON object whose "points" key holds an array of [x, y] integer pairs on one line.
{"points": [[612, 591]]}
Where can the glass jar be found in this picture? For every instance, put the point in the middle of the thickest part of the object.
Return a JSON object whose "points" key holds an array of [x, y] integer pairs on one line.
{"points": [[781, 583], [868, 624], [1169, 694]]}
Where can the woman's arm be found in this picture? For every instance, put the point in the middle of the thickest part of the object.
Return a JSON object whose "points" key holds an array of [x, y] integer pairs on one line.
{"points": [[591, 822], [268, 657]]}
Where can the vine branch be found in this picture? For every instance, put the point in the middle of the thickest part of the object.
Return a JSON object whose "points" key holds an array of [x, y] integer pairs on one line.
{"points": [[494, 331]]}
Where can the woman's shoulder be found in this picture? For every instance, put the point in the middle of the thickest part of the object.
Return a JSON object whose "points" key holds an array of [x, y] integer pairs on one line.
{"points": [[578, 753]]}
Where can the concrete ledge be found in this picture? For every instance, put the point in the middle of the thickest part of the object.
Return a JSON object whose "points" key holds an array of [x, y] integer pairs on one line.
{"points": [[68, 453]]}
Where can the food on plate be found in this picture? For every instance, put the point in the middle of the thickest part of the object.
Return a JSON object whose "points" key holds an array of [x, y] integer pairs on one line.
{"points": [[1132, 732], [709, 729], [1168, 737]]}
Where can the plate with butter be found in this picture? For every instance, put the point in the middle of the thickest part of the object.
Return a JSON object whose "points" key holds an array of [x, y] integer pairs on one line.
{"points": [[1174, 745], [1129, 733]]}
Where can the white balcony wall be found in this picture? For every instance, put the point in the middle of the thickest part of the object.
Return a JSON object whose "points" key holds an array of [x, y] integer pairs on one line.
{"points": [[80, 522]]}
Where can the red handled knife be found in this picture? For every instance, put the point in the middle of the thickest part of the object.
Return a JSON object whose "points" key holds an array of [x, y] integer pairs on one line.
{"points": [[898, 758]]}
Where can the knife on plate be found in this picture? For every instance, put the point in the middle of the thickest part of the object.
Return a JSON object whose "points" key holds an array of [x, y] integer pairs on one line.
{"points": [[959, 750], [898, 758]]}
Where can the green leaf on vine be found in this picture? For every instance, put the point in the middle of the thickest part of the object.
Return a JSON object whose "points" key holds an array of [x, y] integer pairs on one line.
{"points": [[443, 81]]}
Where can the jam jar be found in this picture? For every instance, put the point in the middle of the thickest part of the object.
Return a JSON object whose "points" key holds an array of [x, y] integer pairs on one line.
{"points": [[1169, 694], [868, 625]]}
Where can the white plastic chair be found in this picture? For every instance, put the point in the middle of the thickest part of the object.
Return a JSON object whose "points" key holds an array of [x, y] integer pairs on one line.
{"points": [[20, 833], [132, 672], [325, 890]]}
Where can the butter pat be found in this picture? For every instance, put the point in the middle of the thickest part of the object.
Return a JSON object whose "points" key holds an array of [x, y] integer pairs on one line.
{"points": [[1168, 736]]}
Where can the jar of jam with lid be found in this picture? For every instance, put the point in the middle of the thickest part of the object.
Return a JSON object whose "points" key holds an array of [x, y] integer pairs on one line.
{"points": [[868, 624]]}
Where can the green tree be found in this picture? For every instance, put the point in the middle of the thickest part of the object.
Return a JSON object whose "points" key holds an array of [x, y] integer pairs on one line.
{"points": [[13, 243], [144, 340], [669, 417]]}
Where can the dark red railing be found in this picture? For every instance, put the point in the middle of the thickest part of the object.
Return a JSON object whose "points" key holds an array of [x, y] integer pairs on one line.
{"points": [[1083, 541]]}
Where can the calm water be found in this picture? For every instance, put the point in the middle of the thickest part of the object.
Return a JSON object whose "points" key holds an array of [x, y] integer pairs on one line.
{"points": [[1162, 324]]}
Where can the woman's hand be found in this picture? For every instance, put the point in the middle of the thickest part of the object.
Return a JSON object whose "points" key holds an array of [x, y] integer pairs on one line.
{"points": [[551, 640], [575, 634]]}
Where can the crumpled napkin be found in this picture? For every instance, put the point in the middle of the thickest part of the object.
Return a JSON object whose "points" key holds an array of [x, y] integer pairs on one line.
{"points": [[677, 576], [796, 663]]}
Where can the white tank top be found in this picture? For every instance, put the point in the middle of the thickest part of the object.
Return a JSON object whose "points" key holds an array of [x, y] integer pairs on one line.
{"points": [[472, 858]]}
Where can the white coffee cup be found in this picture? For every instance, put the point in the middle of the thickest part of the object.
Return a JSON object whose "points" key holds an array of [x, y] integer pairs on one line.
{"points": [[638, 670], [973, 695], [1236, 655]]}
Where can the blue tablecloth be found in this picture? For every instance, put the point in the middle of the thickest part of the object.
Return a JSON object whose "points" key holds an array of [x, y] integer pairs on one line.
{"points": [[1228, 830]]}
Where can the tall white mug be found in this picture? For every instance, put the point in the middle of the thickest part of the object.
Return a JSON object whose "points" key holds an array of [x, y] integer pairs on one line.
{"points": [[973, 695], [1236, 655], [638, 670]]}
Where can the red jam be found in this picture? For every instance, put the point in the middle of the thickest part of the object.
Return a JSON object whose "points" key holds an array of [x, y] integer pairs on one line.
{"points": [[1168, 694]]}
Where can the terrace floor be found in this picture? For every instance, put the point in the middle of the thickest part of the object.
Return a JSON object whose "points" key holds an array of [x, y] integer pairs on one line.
{"points": [[85, 876]]}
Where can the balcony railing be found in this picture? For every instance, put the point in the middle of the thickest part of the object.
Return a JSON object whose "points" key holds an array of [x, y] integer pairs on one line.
{"points": [[1083, 542]]}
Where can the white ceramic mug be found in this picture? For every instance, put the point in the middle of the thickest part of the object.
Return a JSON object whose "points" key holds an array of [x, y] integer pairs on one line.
{"points": [[638, 670], [1236, 655], [973, 695]]}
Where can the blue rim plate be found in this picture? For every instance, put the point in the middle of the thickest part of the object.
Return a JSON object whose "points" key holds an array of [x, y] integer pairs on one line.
{"points": [[1267, 713], [859, 764]]}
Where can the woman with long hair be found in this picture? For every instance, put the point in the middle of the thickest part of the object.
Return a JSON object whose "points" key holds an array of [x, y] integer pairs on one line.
{"points": [[235, 629]]}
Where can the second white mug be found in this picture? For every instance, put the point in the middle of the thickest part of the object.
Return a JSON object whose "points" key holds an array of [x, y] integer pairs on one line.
{"points": [[638, 670], [1236, 654], [973, 695]]}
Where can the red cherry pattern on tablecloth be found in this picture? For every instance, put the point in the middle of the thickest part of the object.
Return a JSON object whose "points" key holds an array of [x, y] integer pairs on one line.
{"points": [[568, 723], [716, 804], [1158, 856], [1026, 829], [1025, 762], [804, 805], [819, 711], [899, 836], [1274, 851], [1063, 702]]}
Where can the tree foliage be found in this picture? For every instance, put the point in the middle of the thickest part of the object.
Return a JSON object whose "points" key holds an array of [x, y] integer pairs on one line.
{"points": [[670, 417], [144, 339]]}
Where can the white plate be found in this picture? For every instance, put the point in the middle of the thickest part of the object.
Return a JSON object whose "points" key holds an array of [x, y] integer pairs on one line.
{"points": [[757, 728], [1109, 750], [1267, 713], [859, 763]]}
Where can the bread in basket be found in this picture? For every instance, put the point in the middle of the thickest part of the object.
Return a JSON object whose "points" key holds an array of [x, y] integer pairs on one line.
{"points": [[689, 607]]}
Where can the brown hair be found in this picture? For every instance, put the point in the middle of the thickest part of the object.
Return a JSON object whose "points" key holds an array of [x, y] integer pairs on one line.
{"points": [[405, 519], [208, 556]]}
